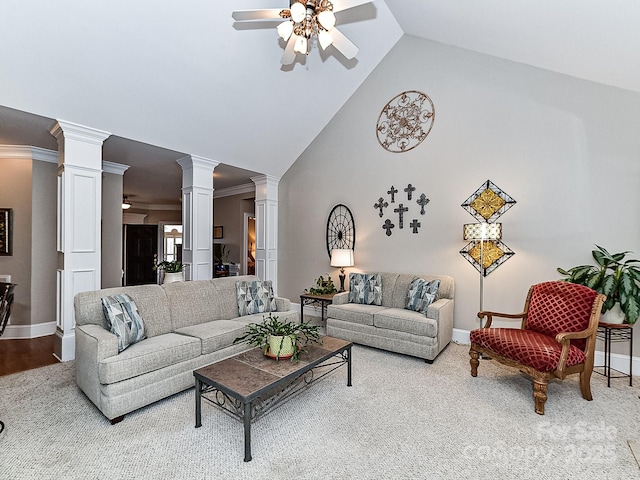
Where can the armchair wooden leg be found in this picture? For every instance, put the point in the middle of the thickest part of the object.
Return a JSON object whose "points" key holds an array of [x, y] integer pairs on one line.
{"points": [[585, 385], [474, 362], [539, 395]]}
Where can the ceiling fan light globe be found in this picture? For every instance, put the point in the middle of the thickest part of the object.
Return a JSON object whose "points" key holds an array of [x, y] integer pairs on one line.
{"points": [[325, 39], [327, 19], [285, 29], [298, 12], [301, 45]]}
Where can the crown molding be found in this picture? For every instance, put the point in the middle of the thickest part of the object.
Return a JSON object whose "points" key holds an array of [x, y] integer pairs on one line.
{"points": [[28, 153], [237, 190]]}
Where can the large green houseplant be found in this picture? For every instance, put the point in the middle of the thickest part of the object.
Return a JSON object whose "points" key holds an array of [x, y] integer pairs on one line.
{"points": [[614, 276], [280, 339]]}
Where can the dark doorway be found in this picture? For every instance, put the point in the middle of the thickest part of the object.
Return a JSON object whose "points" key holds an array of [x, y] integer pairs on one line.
{"points": [[140, 247]]}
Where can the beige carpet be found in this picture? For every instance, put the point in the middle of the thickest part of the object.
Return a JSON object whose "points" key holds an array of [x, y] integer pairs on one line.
{"points": [[401, 419]]}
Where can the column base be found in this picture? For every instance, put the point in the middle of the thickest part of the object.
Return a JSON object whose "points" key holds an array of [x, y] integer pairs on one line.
{"points": [[64, 346]]}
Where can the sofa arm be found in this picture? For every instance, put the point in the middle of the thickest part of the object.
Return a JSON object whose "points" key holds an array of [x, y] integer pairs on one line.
{"points": [[341, 298], [283, 304], [442, 312], [93, 344]]}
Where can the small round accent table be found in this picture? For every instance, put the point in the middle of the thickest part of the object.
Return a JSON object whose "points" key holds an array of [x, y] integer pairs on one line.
{"points": [[612, 333]]}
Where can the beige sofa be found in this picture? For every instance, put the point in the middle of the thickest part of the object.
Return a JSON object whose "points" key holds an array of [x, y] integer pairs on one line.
{"points": [[187, 324], [391, 326]]}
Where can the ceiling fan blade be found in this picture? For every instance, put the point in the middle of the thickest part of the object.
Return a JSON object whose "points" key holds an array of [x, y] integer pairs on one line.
{"points": [[263, 14], [339, 5], [289, 55], [343, 44]]}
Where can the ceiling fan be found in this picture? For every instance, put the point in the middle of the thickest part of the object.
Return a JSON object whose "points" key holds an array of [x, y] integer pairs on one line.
{"points": [[304, 19]]}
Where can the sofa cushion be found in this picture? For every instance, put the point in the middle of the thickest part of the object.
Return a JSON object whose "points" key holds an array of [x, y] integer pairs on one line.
{"points": [[353, 312], [255, 297], [408, 321], [226, 294], [365, 288], [124, 320], [152, 302], [144, 357], [215, 335], [421, 294], [192, 303], [526, 347]]}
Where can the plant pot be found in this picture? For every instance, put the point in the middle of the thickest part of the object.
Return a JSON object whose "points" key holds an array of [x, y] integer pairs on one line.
{"points": [[280, 347], [614, 316], [173, 277]]}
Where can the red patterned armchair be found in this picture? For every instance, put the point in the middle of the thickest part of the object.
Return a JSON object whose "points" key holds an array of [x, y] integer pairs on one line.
{"points": [[557, 337]]}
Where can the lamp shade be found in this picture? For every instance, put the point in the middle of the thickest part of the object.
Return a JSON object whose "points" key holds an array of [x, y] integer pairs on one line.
{"points": [[298, 12], [482, 231], [342, 257], [285, 29], [327, 19]]}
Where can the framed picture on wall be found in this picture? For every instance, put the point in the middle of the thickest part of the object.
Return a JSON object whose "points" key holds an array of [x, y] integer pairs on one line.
{"points": [[217, 232], [6, 215]]}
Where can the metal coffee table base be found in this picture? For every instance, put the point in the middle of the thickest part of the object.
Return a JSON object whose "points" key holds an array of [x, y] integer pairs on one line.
{"points": [[262, 384]]}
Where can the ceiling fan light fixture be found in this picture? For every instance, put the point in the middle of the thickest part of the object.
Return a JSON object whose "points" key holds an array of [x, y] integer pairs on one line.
{"points": [[126, 204], [325, 39], [298, 12], [285, 29], [327, 19]]}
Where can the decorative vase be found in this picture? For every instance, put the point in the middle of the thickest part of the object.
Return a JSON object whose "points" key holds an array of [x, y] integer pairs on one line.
{"points": [[173, 277], [281, 347], [614, 316]]}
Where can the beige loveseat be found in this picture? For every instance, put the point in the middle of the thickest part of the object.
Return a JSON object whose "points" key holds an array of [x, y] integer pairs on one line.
{"points": [[391, 326], [187, 324]]}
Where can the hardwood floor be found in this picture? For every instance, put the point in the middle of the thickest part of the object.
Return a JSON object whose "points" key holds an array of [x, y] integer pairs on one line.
{"points": [[19, 355]]}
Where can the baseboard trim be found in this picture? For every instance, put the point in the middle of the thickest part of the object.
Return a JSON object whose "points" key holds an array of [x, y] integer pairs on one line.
{"points": [[17, 332]]}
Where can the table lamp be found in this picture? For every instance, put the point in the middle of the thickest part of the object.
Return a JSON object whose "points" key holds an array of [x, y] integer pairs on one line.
{"points": [[342, 257]]}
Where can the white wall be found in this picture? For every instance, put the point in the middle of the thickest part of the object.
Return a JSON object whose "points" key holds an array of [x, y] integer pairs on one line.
{"points": [[565, 149]]}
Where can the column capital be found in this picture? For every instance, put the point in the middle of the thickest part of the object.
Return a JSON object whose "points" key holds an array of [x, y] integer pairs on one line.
{"points": [[63, 129], [115, 168], [266, 186], [189, 161]]}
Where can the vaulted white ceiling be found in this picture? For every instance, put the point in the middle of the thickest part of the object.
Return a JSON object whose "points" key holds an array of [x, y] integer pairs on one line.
{"points": [[185, 77]]}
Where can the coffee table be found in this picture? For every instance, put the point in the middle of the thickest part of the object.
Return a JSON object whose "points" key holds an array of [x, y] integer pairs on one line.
{"points": [[248, 385]]}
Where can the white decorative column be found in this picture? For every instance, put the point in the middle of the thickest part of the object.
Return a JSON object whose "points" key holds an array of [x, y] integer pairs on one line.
{"points": [[79, 208], [197, 216], [267, 228]]}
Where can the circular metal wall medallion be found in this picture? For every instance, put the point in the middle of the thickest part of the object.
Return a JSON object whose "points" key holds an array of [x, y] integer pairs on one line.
{"points": [[405, 121], [341, 230]]}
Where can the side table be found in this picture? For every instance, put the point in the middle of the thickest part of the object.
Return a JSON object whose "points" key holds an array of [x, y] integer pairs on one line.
{"points": [[613, 333], [323, 300]]}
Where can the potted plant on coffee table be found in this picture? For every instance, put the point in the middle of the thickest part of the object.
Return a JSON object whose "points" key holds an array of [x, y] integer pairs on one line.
{"points": [[614, 276], [280, 339]]}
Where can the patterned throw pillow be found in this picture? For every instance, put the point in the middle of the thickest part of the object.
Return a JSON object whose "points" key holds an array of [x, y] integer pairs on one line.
{"points": [[124, 320], [365, 288], [421, 294], [255, 297]]}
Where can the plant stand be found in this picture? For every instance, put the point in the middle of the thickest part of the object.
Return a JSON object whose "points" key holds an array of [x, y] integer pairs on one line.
{"points": [[613, 333]]}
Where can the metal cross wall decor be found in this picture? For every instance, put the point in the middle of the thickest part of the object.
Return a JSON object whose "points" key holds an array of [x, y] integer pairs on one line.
{"points": [[402, 210]]}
